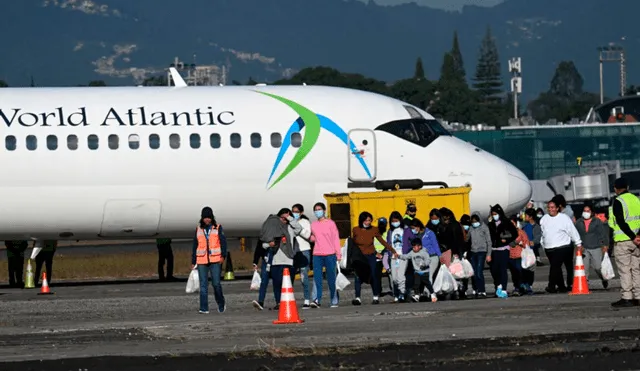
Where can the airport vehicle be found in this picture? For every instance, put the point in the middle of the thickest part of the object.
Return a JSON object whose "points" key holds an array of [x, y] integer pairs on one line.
{"points": [[129, 162]]}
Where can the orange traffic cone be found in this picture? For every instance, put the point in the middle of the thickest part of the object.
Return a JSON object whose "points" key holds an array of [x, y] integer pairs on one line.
{"points": [[44, 290], [580, 285], [288, 312]]}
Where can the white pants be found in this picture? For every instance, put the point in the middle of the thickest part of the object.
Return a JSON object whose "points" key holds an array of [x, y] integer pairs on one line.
{"points": [[398, 269]]}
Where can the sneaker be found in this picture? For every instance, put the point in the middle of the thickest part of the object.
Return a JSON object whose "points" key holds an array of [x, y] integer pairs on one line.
{"points": [[623, 303], [605, 284], [203, 311], [258, 305], [482, 295], [515, 292], [396, 300], [434, 298], [401, 298], [314, 304], [222, 308], [334, 306], [277, 307], [376, 301], [356, 301], [415, 298], [306, 306]]}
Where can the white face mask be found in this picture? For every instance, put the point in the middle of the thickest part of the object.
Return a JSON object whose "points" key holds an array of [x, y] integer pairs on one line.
{"points": [[586, 215]]}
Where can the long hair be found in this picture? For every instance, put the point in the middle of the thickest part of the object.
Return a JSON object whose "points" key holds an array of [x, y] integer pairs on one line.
{"points": [[363, 216], [301, 208], [395, 215]]}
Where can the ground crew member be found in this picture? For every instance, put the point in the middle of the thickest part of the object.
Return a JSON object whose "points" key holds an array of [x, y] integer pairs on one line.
{"points": [[411, 212], [165, 253], [15, 259], [624, 220], [46, 256], [209, 250]]}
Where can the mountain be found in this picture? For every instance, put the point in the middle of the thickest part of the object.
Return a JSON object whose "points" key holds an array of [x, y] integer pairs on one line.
{"points": [[69, 42]]}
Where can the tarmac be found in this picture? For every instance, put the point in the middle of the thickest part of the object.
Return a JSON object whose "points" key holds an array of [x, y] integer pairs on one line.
{"points": [[156, 326]]}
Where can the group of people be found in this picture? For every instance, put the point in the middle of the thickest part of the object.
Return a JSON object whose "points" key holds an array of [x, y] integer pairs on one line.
{"points": [[412, 252], [15, 261]]}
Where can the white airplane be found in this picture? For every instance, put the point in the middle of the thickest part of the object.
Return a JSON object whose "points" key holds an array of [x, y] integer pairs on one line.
{"points": [[123, 162]]}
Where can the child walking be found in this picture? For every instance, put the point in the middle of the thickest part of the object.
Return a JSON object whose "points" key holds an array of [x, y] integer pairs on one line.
{"points": [[420, 260]]}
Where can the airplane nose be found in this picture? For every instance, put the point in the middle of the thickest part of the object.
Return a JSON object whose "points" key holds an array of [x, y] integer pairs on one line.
{"points": [[520, 190]]}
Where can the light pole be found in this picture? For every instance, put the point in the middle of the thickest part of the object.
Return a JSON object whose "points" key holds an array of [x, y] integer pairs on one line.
{"points": [[515, 67], [613, 53]]}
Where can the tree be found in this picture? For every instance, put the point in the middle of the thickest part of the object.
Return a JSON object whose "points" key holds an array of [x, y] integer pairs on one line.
{"points": [[251, 81], [97, 83], [488, 82], [415, 91], [567, 81], [419, 73], [457, 57], [456, 102], [632, 90], [331, 77], [3, 84]]}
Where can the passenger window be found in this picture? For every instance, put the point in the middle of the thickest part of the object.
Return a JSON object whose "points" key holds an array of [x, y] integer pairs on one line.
{"points": [[113, 141], [174, 141], [296, 140], [72, 142], [235, 140], [10, 142], [276, 140], [256, 140], [215, 140], [194, 140], [32, 142], [93, 141], [134, 141], [154, 141], [52, 142]]}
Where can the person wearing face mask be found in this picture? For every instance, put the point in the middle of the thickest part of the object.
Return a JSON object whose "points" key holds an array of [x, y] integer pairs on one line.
{"points": [[534, 234], [595, 241], [383, 263], [503, 234], [429, 243], [326, 253], [302, 257], [515, 259], [481, 245], [397, 238], [363, 236], [452, 245], [434, 221]]}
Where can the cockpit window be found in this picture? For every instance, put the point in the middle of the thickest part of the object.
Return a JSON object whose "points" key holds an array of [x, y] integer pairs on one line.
{"points": [[418, 131]]}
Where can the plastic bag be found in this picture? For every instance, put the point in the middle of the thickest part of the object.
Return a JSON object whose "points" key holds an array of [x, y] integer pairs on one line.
{"points": [[193, 283], [341, 280], [456, 269], [528, 259], [255, 281], [606, 268], [344, 251], [468, 269], [444, 282]]}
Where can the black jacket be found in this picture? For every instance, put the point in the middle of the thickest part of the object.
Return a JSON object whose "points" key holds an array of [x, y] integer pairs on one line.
{"points": [[451, 238], [505, 231]]}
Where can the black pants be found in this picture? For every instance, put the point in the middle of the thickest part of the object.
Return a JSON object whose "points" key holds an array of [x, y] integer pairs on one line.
{"points": [[515, 267], [499, 267], [165, 253], [45, 257], [558, 257], [528, 276], [419, 282], [16, 266]]}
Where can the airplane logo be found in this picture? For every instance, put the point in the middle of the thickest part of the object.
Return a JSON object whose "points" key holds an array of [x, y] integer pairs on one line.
{"points": [[312, 123]]}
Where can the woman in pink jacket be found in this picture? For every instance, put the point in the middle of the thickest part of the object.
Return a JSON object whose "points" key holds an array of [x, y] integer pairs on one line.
{"points": [[326, 253]]}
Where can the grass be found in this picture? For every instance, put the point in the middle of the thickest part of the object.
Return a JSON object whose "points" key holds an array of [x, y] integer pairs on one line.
{"points": [[124, 265]]}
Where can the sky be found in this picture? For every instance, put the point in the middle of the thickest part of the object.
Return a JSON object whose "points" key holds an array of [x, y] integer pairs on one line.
{"points": [[441, 4]]}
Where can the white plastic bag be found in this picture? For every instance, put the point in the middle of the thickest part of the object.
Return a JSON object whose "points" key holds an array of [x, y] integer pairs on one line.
{"points": [[193, 283], [345, 249], [528, 260], [468, 269], [456, 269], [255, 281], [606, 268], [444, 282], [341, 280]]}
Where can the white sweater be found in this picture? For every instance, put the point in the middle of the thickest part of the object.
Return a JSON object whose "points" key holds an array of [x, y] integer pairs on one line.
{"points": [[305, 234], [558, 231]]}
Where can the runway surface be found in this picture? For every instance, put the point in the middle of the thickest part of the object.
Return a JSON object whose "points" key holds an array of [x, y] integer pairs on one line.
{"points": [[70, 329]]}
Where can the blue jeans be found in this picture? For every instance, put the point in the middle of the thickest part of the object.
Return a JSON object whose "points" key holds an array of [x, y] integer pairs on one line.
{"points": [[477, 262], [329, 263], [264, 276], [203, 272], [303, 269], [371, 259]]}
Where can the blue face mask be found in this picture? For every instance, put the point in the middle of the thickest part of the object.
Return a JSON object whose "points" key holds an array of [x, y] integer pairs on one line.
{"points": [[319, 213], [395, 224], [466, 227], [475, 225], [496, 217], [435, 221], [296, 216], [415, 231]]}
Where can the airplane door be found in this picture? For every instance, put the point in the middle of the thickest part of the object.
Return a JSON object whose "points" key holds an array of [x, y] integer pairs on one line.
{"points": [[131, 218], [362, 155]]}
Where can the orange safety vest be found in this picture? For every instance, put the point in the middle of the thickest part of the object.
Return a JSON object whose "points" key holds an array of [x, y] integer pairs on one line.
{"points": [[208, 250]]}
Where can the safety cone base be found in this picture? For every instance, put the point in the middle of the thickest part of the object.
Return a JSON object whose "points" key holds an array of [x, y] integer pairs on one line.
{"points": [[46, 293], [276, 322]]}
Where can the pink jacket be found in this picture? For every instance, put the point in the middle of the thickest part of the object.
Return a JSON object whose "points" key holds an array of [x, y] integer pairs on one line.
{"points": [[327, 240]]}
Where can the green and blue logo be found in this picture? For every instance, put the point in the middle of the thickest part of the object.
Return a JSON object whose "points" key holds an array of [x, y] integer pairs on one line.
{"points": [[312, 123]]}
